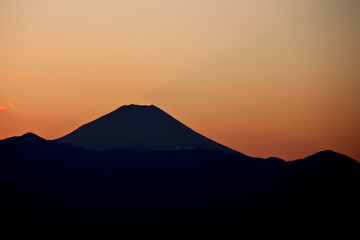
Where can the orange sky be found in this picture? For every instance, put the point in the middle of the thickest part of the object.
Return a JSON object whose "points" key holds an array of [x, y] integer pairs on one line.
{"points": [[267, 78]]}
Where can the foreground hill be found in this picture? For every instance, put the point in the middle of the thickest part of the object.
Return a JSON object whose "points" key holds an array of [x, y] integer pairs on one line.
{"points": [[45, 185]]}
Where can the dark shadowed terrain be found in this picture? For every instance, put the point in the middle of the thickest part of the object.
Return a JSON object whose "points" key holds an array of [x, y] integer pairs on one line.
{"points": [[45, 185], [155, 174]]}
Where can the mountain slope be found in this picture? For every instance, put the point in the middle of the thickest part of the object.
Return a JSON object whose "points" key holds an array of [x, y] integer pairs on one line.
{"points": [[139, 128]]}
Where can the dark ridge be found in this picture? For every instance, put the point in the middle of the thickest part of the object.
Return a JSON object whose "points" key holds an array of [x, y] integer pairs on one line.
{"points": [[326, 158], [31, 136], [26, 137], [328, 154], [59, 187], [275, 159]]}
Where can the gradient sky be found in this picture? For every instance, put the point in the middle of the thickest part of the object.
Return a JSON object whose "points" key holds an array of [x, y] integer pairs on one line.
{"points": [[267, 78]]}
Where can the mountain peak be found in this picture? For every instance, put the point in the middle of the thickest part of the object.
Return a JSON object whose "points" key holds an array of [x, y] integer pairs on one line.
{"points": [[27, 137], [327, 154], [31, 136], [137, 106], [139, 128]]}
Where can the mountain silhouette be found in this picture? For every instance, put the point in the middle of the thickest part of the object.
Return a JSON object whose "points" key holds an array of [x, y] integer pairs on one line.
{"points": [[61, 187], [139, 128]]}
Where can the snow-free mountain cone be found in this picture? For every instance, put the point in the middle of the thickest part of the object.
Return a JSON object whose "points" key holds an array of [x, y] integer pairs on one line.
{"points": [[139, 128]]}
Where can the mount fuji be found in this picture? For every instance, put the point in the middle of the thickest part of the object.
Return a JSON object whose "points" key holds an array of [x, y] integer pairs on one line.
{"points": [[140, 128]]}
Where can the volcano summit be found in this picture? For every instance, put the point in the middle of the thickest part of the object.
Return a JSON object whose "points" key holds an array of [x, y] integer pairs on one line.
{"points": [[139, 128]]}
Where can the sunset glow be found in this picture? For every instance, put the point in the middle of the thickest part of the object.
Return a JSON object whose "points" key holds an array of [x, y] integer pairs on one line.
{"points": [[11, 105], [266, 78]]}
